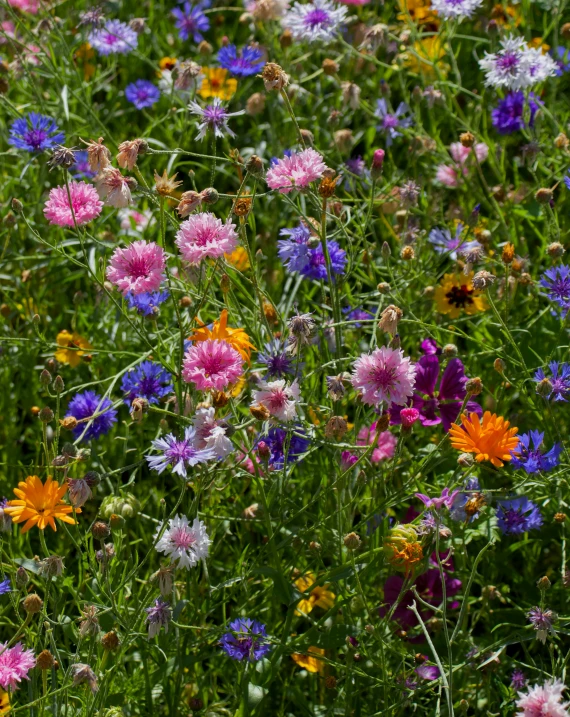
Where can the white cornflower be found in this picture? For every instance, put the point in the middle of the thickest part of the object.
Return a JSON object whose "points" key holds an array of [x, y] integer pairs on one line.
{"points": [[182, 542], [516, 66], [211, 433], [455, 8], [278, 398], [317, 21]]}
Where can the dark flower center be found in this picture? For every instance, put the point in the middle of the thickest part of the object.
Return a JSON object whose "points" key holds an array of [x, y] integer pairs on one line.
{"points": [[460, 296]]}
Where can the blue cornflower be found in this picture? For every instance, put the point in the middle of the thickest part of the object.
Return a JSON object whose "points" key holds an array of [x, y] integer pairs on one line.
{"points": [[508, 115], [533, 459], [357, 315], [518, 516], [457, 511], [391, 122], [249, 62], [279, 363], [275, 439], [148, 302], [557, 282], [142, 93], [35, 133], [560, 380], [191, 21], [147, 380], [84, 406], [5, 586], [275, 160], [567, 180], [81, 168], [247, 640], [299, 257], [562, 61]]}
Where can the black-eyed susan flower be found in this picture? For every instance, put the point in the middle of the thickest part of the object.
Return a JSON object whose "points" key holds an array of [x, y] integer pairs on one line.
{"points": [[456, 295]]}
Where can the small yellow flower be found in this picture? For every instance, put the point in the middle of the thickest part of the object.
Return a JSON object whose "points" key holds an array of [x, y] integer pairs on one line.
{"points": [[456, 294], [238, 258], [506, 16], [4, 702], [427, 54], [217, 84], [537, 44], [39, 504], [83, 55], [72, 348], [167, 63], [309, 662], [418, 10], [220, 331], [319, 596]]}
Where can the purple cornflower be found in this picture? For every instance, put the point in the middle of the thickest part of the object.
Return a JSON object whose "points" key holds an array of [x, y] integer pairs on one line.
{"points": [[275, 439], [191, 21], [317, 21], [300, 257], [178, 453], [158, 616], [560, 381], [84, 406], [441, 406], [518, 679], [249, 62], [142, 93], [542, 622], [518, 515], [148, 302], [35, 133], [533, 459], [81, 168], [567, 180], [278, 362], [557, 282], [214, 118], [391, 122], [247, 640], [148, 380], [357, 315], [446, 499], [114, 37], [508, 115], [356, 165], [457, 511]]}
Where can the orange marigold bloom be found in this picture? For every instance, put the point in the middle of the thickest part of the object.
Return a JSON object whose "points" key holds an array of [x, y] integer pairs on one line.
{"points": [[319, 596], [490, 440], [39, 504], [69, 343], [402, 549], [309, 662], [220, 331]]}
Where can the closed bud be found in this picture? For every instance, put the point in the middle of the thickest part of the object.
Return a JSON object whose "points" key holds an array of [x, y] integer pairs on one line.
{"points": [[69, 423], [565, 30], [17, 205], [377, 163], [383, 288], [110, 641], [46, 415], [45, 660], [383, 422], [562, 141], [555, 250], [499, 365], [204, 48], [330, 682], [330, 67], [543, 195], [386, 251], [45, 377], [544, 388], [254, 166], [58, 384], [263, 451], [408, 253], [314, 546], [559, 517], [286, 38], [474, 386], [465, 460], [22, 577], [449, 350], [33, 604], [467, 139], [543, 584], [116, 521], [352, 541], [225, 283], [100, 530], [210, 195]]}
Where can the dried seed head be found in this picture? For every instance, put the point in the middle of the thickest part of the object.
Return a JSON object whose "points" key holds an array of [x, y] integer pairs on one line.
{"points": [[482, 280], [69, 423], [508, 253], [255, 104], [408, 253], [336, 428], [259, 412], [110, 641], [352, 541], [560, 517], [389, 319], [100, 530], [330, 67], [467, 139], [45, 660], [273, 77], [562, 141], [164, 184], [61, 156], [555, 250], [327, 187], [32, 604], [242, 206]]}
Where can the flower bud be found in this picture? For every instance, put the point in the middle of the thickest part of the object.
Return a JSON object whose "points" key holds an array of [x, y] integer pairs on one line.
{"points": [[17, 205], [46, 415], [466, 460], [352, 541], [386, 251], [508, 253], [499, 365], [377, 163], [100, 530], [45, 660], [383, 288], [449, 350], [58, 384], [559, 517], [22, 577], [543, 584], [210, 195], [555, 250], [110, 641], [254, 166], [543, 195], [544, 388], [408, 253], [467, 139], [474, 386], [263, 451], [33, 604], [562, 141], [45, 377]]}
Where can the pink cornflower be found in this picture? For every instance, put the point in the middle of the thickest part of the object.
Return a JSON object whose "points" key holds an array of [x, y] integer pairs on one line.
{"points": [[15, 663], [203, 235], [409, 416], [85, 204], [385, 445], [212, 365], [384, 376], [296, 171], [450, 175], [543, 701], [114, 188], [279, 398], [31, 6], [138, 268]]}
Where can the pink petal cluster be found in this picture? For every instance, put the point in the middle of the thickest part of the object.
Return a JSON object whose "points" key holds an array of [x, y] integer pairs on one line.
{"points": [[451, 174], [31, 6], [296, 171], [85, 204], [384, 375], [279, 398], [138, 268], [203, 235], [15, 663], [212, 365], [543, 701], [385, 445]]}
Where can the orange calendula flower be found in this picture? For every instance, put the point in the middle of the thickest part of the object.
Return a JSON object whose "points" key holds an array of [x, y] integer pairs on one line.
{"points": [[217, 84], [220, 331], [238, 259], [309, 662], [402, 549], [39, 504], [456, 294], [490, 440], [72, 348], [319, 596]]}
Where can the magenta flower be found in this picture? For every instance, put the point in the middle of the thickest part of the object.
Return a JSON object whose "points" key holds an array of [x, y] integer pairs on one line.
{"points": [[409, 416], [427, 672], [384, 376], [203, 235], [15, 663], [385, 445], [296, 171], [446, 499], [212, 365], [85, 205], [138, 268]]}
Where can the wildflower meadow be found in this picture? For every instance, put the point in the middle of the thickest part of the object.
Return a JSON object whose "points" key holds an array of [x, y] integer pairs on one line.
{"points": [[285, 358]]}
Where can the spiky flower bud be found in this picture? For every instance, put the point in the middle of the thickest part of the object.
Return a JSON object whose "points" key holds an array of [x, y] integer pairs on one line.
{"points": [[32, 604]]}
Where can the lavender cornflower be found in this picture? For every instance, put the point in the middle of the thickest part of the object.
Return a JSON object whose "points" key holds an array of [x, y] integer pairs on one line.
{"points": [[148, 380], [455, 9], [148, 302], [518, 516], [93, 17], [562, 61], [558, 385], [81, 168], [214, 118], [557, 282], [115, 37], [5, 519], [247, 640], [391, 122], [518, 679], [191, 21], [178, 453], [508, 115], [35, 133], [142, 93], [318, 21], [356, 316], [275, 357], [542, 622], [249, 62], [533, 459], [86, 405], [158, 616]]}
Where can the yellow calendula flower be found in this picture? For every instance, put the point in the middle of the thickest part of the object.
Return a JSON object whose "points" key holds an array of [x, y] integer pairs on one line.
{"points": [[319, 596], [220, 331], [456, 295], [83, 55], [238, 259], [537, 44], [426, 56], [72, 348], [216, 83], [310, 662], [418, 11], [39, 504], [4, 702]]}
